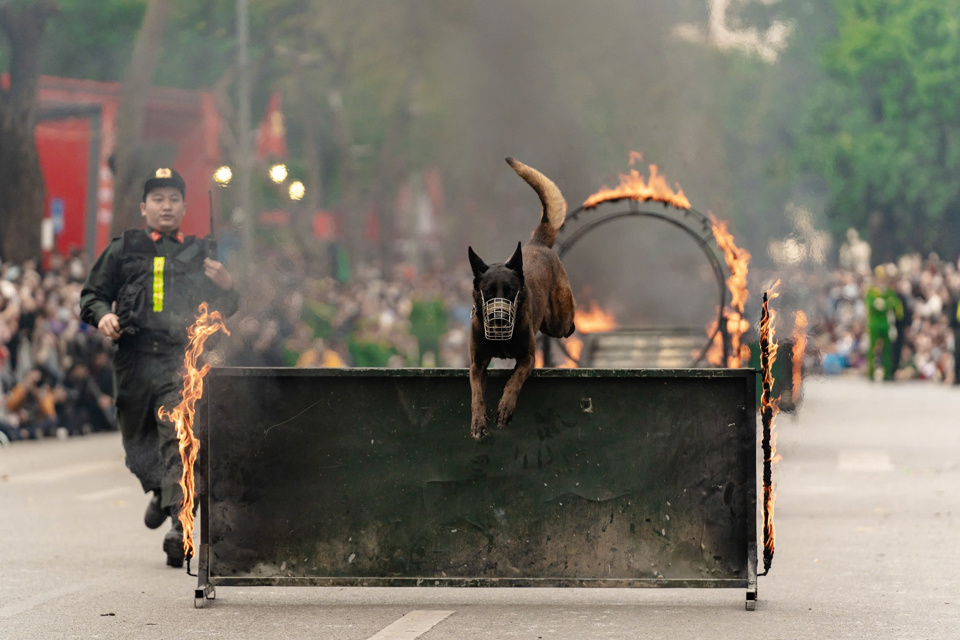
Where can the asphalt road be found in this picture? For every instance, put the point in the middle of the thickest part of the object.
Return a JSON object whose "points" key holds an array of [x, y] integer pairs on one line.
{"points": [[867, 521]]}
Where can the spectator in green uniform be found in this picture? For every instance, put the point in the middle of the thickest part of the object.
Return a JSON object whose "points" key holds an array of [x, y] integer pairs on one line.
{"points": [[144, 292], [953, 314], [884, 308]]}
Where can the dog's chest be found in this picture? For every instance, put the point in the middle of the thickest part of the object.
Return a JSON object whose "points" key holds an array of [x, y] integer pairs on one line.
{"points": [[512, 348], [505, 349]]}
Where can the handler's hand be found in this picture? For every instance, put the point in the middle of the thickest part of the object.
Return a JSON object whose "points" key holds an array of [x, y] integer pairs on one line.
{"points": [[109, 326], [218, 273]]}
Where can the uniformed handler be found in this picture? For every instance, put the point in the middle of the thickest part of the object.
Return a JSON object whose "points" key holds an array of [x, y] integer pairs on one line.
{"points": [[144, 292]]}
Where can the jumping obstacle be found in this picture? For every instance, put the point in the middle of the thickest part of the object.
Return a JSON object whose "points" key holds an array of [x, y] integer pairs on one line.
{"points": [[369, 477]]}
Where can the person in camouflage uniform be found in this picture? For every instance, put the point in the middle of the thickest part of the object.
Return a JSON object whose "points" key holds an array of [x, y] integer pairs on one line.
{"points": [[884, 308], [144, 292]]}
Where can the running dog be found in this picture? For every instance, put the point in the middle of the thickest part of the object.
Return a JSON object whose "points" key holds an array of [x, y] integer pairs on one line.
{"points": [[515, 299]]}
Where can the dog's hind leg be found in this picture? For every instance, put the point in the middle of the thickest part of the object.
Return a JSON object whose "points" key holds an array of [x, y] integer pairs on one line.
{"points": [[508, 402], [560, 322], [478, 408]]}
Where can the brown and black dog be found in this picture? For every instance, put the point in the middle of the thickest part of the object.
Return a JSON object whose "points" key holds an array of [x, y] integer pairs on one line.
{"points": [[513, 300]]}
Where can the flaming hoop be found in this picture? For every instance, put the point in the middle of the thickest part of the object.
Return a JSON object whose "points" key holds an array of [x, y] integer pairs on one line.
{"points": [[769, 407], [723, 346], [182, 415], [736, 325], [592, 321], [635, 187]]}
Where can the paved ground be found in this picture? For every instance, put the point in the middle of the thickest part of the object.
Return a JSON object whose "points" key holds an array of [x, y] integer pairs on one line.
{"points": [[867, 519]]}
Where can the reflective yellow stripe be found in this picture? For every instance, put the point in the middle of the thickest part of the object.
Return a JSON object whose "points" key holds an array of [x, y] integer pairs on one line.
{"points": [[158, 283], [958, 311]]}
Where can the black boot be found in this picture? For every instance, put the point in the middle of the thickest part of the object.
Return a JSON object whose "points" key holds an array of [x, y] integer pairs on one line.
{"points": [[173, 543], [154, 516]]}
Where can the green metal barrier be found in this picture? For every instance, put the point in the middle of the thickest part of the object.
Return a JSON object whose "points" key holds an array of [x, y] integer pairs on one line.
{"points": [[605, 478]]}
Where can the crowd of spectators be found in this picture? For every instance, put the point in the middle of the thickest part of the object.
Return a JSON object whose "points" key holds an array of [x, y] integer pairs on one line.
{"points": [[924, 334], [55, 372], [294, 313], [56, 375]]}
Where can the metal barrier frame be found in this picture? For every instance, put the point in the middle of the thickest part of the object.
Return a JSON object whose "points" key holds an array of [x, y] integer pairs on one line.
{"points": [[229, 389]]}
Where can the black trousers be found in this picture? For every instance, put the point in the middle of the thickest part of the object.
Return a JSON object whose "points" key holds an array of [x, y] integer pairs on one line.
{"points": [[144, 382]]}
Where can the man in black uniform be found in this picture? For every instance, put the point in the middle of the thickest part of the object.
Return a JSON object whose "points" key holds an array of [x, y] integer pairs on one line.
{"points": [[144, 292]]}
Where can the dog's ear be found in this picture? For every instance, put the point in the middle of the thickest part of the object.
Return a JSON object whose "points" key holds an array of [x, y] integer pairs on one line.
{"points": [[479, 266], [515, 262]]}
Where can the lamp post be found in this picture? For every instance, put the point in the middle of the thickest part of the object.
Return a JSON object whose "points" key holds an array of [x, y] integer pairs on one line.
{"points": [[244, 166]]}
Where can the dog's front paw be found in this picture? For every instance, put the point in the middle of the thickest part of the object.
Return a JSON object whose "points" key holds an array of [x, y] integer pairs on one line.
{"points": [[504, 416], [478, 429]]}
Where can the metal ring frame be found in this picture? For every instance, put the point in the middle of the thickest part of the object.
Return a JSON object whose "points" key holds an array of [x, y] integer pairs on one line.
{"points": [[703, 238]]}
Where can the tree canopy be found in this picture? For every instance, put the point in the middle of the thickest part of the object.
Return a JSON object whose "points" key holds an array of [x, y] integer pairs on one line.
{"points": [[857, 116], [882, 128]]}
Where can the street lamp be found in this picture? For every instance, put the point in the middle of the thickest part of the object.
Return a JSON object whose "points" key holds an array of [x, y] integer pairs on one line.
{"points": [[223, 175], [297, 190], [278, 173]]}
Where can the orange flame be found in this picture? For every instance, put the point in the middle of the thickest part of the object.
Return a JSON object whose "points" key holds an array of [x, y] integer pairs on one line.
{"points": [[769, 407], [739, 353], [591, 321], [594, 320], [799, 347], [737, 260], [634, 186], [574, 347], [767, 333], [182, 415]]}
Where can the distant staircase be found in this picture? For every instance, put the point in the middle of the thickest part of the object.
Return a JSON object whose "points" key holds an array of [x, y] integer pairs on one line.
{"points": [[643, 349]]}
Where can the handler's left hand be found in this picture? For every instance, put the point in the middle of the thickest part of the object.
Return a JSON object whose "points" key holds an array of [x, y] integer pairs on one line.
{"points": [[218, 273]]}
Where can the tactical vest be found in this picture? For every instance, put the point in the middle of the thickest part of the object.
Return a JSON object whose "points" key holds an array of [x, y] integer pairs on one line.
{"points": [[157, 294]]}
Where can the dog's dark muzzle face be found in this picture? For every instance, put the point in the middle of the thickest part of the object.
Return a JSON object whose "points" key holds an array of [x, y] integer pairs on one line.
{"points": [[499, 316]]}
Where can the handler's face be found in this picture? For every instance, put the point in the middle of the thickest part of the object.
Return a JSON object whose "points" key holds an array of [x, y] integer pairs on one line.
{"points": [[164, 209]]}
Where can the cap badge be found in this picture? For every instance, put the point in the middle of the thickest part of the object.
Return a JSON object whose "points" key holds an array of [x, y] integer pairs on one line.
{"points": [[162, 173]]}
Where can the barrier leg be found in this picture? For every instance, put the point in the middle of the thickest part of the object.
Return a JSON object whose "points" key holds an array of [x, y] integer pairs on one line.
{"points": [[204, 591]]}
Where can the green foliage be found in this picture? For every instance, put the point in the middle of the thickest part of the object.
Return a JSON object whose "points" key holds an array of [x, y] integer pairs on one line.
{"points": [[92, 40], [199, 43], [866, 97], [883, 127], [756, 106], [95, 40]]}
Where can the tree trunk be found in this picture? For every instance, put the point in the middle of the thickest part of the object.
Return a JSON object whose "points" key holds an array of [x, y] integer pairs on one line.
{"points": [[353, 215], [883, 237], [947, 241], [130, 162], [391, 171], [22, 191], [312, 162]]}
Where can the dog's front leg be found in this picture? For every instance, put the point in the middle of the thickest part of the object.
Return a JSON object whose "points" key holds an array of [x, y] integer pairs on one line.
{"points": [[508, 402], [478, 408]]}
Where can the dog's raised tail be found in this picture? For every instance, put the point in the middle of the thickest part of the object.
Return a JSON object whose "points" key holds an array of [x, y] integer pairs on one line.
{"points": [[554, 206]]}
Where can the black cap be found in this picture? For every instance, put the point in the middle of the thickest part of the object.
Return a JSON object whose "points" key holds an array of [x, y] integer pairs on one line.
{"points": [[164, 177]]}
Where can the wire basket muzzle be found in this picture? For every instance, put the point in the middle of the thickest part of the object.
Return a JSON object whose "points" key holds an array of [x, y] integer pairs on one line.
{"points": [[499, 317]]}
